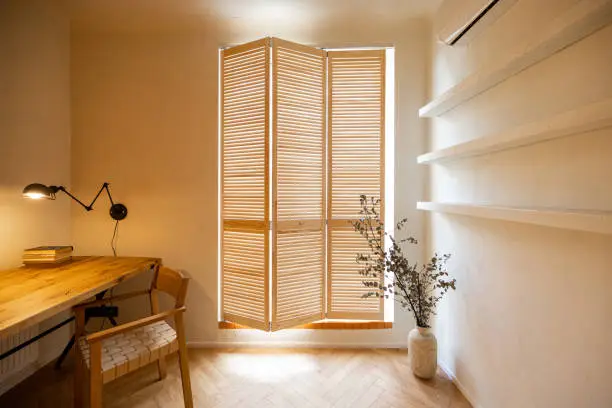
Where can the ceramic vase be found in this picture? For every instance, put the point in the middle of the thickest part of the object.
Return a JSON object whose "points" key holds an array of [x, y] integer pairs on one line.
{"points": [[423, 352]]}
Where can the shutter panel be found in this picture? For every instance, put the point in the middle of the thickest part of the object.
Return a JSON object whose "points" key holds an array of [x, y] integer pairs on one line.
{"points": [[356, 125], [298, 174], [245, 196]]}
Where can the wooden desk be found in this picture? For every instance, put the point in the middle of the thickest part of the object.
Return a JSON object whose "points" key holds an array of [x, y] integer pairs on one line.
{"points": [[31, 294]]}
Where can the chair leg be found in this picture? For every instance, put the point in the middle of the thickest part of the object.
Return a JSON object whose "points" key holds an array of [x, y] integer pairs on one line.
{"points": [[95, 391], [184, 361], [162, 368], [185, 379], [95, 375], [79, 372]]}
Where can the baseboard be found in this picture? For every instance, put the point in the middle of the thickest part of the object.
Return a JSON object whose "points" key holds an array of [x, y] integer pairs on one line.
{"points": [[290, 344], [458, 384]]}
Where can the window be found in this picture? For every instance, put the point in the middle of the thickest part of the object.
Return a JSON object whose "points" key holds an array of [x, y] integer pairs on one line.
{"points": [[302, 133]]}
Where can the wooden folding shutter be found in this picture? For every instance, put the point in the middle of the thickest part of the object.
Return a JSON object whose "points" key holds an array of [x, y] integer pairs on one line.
{"points": [[356, 129], [245, 187], [298, 174]]}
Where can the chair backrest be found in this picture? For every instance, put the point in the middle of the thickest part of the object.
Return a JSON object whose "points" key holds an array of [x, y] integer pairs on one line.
{"points": [[171, 282]]}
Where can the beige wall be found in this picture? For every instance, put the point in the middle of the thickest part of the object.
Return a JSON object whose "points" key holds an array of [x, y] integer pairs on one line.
{"points": [[144, 113], [34, 132], [529, 325]]}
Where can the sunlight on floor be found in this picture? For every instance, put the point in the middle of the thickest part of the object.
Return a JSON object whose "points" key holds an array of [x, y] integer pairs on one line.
{"points": [[269, 368]]}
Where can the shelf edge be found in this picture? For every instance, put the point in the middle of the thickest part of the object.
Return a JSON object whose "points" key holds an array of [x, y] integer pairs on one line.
{"points": [[589, 118], [599, 222]]}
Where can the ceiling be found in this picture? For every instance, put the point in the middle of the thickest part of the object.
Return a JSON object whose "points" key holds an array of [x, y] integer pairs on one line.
{"points": [[392, 10]]}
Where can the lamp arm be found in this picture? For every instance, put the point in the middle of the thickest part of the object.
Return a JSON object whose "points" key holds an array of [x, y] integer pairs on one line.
{"points": [[105, 185], [61, 188], [90, 206]]}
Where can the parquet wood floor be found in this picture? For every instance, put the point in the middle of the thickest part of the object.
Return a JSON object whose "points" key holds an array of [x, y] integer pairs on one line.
{"points": [[259, 378]]}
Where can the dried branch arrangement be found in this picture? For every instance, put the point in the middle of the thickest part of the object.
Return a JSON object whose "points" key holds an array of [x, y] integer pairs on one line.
{"points": [[417, 287]]}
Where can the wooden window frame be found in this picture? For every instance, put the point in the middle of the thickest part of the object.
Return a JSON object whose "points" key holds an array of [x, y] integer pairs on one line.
{"points": [[289, 222], [343, 224], [240, 225], [331, 320], [327, 324]]}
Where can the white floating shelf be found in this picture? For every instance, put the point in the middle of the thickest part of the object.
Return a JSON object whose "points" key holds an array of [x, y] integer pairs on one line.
{"points": [[588, 118], [579, 220], [579, 21]]}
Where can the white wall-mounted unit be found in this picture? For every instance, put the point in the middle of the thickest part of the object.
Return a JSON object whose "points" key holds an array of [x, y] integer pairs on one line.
{"points": [[577, 22], [457, 21]]}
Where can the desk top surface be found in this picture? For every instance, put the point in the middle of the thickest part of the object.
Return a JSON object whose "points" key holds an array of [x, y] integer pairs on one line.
{"points": [[31, 294]]}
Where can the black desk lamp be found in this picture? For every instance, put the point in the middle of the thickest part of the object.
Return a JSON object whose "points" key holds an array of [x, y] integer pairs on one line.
{"points": [[118, 212], [38, 191]]}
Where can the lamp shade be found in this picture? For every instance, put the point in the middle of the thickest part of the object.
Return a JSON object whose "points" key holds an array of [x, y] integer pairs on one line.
{"points": [[38, 191]]}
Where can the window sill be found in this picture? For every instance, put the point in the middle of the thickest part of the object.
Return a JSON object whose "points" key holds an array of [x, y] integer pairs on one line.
{"points": [[325, 325]]}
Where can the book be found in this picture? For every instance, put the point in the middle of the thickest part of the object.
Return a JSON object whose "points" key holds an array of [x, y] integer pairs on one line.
{"points": [[47, 255], [57, 256], [46, 261], [49, 250]]}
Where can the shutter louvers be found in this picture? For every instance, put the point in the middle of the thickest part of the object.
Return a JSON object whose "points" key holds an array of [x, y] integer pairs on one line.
{"points": [[245, 196], [298, 174], [356, 97]]}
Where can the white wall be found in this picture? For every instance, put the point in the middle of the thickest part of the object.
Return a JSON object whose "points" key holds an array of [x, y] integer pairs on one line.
{"points": [[34, 134], [145, 119], [529, 324]]}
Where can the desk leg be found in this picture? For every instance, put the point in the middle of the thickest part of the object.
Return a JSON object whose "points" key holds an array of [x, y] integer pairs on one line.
{"points": [[62, 357]]}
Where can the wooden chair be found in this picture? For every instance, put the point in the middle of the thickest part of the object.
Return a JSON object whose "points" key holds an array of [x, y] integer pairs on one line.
{"points": [[111, 353]]}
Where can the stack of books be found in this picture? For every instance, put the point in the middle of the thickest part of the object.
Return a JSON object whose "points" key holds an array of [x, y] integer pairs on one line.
{"points": [[47, 255]]}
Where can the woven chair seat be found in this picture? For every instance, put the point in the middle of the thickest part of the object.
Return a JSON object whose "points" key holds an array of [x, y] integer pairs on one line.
{"points": [[126, 352]]}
